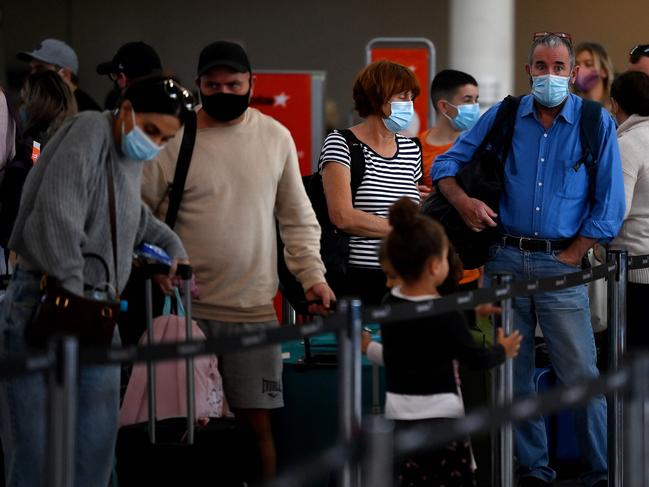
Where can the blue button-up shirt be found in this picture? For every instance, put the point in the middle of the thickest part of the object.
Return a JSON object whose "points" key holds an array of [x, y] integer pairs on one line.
{"points": [[544, 197]]}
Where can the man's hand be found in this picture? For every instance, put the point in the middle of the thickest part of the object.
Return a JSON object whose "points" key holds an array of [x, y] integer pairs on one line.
{"points": [[578, 248], [320, 292], [476, 214]]}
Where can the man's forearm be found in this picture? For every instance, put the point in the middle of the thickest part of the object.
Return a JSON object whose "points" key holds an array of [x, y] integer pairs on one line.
{"points": [[452, 191]]}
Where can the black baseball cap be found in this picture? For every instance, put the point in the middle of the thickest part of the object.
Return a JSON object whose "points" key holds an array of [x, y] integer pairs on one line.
{"points": [[223, 53], [134, 59]]}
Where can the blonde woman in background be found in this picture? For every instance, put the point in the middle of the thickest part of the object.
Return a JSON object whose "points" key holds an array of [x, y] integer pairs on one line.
{"points": [[595, 73]]}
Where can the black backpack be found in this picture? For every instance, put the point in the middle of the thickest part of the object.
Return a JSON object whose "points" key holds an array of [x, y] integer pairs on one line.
{"points": [[334, 243], [482, 178]]}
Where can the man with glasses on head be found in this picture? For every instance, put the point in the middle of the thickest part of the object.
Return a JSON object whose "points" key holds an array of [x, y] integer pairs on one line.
{"points": [[56, 55], [553, 208], [639, 58], [243, 180]]}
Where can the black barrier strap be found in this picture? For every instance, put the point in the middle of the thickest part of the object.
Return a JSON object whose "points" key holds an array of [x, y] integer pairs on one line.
{"points": [[638, 262], [469, 299], [213, 345], [433, 435], [26, 365], [380, 314]]}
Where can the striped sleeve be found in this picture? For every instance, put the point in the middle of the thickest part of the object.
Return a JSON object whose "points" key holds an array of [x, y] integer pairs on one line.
{"points": [[334, 149]]}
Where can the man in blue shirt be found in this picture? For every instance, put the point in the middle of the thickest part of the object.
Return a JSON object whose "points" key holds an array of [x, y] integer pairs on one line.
{"points": [[549, 217]]}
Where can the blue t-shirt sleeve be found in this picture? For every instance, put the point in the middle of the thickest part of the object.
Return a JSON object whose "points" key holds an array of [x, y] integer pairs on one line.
{"points": [[449, 163]]}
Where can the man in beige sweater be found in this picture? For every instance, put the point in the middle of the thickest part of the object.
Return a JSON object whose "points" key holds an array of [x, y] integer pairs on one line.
{"points": [[243, 177]]}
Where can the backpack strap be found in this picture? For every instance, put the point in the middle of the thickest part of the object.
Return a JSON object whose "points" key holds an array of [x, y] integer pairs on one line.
{"points": [[499, 137], [421, 159], [182, 168], [357, 159], [591, 116]]}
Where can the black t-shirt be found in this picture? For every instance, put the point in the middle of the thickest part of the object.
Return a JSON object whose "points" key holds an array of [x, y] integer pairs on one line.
{"points": [[84, 102], [418, 354]]}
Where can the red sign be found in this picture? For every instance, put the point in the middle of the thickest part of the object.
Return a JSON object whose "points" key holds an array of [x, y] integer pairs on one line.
{"points": [[287, 98], [418, 60]]}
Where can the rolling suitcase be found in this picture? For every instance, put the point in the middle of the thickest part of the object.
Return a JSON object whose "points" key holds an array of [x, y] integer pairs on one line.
{"points": [[175, 451]]}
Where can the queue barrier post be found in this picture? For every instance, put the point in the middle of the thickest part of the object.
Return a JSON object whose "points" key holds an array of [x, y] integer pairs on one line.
{"points": [[349, 386], [616, 293], [378, 458], [636, 416], [150, 368], [502, 453], [62, 383]]}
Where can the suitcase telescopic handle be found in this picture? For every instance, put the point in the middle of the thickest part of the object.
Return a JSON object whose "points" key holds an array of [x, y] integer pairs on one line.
{"points": [[184, 271]]}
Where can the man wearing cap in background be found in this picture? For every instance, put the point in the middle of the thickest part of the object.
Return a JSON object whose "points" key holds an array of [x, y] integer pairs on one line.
{"points": [[132, 60], [243, 178], [56, 55], [639, 58]]}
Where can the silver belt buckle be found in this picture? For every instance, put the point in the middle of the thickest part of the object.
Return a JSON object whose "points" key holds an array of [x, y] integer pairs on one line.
{"points": [[520, 243]]}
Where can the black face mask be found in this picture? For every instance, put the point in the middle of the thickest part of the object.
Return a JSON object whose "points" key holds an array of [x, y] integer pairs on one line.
{"points": [[225, 107]]}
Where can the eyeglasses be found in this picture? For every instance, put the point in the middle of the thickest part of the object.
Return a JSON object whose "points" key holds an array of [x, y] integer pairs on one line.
{"points": [[562, 35], [638, 51], [176, 91]]}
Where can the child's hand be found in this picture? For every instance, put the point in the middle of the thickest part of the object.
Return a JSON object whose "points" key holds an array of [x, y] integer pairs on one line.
{"points": [[366, 339], [485, 310], [511, 344]]}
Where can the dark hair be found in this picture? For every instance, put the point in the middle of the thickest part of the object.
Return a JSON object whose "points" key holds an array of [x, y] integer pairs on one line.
{"points": [[48, 101], [630, 90], [455, 272], [413, 240], [380, 81], [446, 83], [158, 94]]}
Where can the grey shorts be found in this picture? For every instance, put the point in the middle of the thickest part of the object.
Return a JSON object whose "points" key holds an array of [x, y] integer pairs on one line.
{"points": [[251, 379]]}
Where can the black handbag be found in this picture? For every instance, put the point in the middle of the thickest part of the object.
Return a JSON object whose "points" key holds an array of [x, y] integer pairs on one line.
{"points": [[91, 321], [481, 178]]}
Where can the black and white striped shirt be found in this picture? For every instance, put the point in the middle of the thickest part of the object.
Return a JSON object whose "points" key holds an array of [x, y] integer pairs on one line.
{"points": [[386, 179]]}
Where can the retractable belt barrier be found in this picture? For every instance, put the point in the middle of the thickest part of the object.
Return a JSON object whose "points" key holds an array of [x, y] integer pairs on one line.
{"points": [[64, 356], [378, 314]]}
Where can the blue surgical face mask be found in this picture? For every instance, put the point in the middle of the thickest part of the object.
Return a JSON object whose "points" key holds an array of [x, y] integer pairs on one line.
{"points": [[467, 116], [401, 116], [137, 145], [550, 90]]}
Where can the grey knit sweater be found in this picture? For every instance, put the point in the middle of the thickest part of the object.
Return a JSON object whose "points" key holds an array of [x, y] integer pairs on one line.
{"points": [[64, 208]]}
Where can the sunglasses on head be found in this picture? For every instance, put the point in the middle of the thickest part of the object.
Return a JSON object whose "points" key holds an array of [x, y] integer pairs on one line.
{"points": [[176, 91], [562, 35], [638, 51]]}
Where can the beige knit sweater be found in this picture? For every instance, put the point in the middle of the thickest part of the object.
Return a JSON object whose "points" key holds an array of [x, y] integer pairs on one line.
{"points": [[633, 138], [241, 179]]}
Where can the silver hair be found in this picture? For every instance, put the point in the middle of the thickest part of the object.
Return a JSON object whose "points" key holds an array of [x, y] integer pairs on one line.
{"points": [[553, 41]]}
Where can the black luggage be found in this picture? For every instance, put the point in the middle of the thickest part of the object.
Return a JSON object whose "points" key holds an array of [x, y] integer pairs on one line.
{"points": [[176, 451], [224, 454]]}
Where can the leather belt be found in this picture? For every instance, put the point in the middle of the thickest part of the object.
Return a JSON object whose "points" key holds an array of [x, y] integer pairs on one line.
{"points": [[534, 244]]}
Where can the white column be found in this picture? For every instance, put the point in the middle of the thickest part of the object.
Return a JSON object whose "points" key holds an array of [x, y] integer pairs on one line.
{"points": [[482, 44]]}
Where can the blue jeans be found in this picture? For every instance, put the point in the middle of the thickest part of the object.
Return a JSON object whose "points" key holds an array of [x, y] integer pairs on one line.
{"points": [[564, 318], [24, 403]]}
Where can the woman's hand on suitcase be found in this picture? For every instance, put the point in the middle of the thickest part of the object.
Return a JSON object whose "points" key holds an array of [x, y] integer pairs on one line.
{"points": [[166, 283]]}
